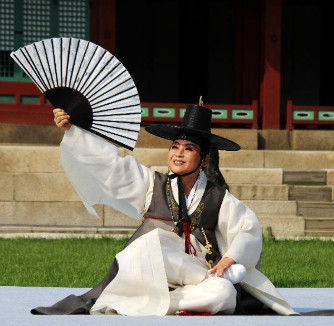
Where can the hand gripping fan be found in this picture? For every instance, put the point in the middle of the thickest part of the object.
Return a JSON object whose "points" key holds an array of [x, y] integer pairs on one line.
{"points": [[88, 82]]}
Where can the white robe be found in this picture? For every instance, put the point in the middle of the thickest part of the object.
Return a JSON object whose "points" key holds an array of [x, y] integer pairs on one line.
{"points": [[101, 176]]}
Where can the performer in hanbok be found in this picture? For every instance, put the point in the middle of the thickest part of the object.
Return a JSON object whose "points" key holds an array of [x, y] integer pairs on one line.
{"points": [[197, 248]]}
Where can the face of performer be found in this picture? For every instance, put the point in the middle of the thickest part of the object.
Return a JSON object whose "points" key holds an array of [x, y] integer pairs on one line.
{"points": [[185, 156]]}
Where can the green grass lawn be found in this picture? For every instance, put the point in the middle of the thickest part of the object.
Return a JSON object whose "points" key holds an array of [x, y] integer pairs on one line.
{"points": [[75, 262], [305, 263], [84, 262]]}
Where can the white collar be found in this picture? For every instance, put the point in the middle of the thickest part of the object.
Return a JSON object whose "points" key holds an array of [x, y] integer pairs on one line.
{"points": [[195, 196]]}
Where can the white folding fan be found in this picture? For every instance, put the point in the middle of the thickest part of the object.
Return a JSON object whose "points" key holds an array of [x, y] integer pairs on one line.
{"points": [[88, 82]]}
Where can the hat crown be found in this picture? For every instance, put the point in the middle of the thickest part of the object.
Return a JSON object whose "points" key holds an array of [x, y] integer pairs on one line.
{"points": [[196, 122], [198, 118]]}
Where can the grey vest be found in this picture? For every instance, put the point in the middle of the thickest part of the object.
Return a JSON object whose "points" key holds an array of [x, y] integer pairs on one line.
{"points": [[204, 218]]}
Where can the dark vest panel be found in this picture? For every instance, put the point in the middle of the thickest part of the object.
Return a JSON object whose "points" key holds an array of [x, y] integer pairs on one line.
{"points": [[204, 218]]}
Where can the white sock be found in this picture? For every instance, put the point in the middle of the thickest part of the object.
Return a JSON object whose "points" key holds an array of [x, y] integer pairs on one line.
{"points": [[235, 273]]}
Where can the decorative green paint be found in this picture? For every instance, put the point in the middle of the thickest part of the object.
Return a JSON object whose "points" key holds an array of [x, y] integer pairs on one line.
{"points": [[144, 111], [326, 115], [219, 114], [7, 99], [302, 115], [240, 114], [29, 99], [163, 112], [182, 112]]}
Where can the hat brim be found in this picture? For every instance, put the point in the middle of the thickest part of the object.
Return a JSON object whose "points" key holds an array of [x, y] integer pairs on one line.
{"points": [[171, 132]]}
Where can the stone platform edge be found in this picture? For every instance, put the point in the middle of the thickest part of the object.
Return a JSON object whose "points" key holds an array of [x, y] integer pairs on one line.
{"points": [[247, 138], [29, 231]]}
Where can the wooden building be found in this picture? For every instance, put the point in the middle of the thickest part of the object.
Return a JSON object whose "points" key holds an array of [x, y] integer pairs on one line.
{"points": [[270, 60]]}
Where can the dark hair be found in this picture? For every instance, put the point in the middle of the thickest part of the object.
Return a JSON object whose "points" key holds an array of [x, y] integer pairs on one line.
{"points": [[205, 150], [212, 170]]}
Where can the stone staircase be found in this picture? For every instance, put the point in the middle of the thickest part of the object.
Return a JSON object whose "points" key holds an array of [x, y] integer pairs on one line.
{"points": [[314, 200], [290, 191], [294, 202]]}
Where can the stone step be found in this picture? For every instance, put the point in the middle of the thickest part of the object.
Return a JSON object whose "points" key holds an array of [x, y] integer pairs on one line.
{"points": [[56, 187], [259, 192], [244, 176], [283, 226], [315, 209], [43, 187], [301, 160], [270, 208], [308, 177], [43, 158], [21, 159], [243, 184], [30, 134], [27, 187], [247, 186], [149, 156], [292, 160], [71, 213], [242, 159], [48, 213], [268, 176], [287, 160], [315, 140], [252, 176], [50, 134], [320, 234], [319, 224], [310, 193]]}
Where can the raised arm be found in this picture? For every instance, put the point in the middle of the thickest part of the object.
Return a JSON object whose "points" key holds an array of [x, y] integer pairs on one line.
{"points": [[99, 174]]}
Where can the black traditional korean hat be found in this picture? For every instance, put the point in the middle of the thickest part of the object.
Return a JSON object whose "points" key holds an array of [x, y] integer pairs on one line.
{"points": [[197, 123]]}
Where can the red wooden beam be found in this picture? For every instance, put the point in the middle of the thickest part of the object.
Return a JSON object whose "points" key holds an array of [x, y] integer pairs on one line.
{"points": [[270, 90], [103, 24], [289, 125], [29, 114], [21, 113], [247, 51]]}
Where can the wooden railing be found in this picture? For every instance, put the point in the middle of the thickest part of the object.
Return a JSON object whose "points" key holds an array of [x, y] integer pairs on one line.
{"points": [[23, 103], [222, 114], [309, 115]]}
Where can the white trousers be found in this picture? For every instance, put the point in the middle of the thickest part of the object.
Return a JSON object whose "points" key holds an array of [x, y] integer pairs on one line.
{"points": [[194, 291], [212, 295], [155, 262]]}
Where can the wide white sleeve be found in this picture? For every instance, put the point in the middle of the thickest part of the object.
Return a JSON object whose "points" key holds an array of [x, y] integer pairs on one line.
{"points": [[101, 176], [238, 232]]}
